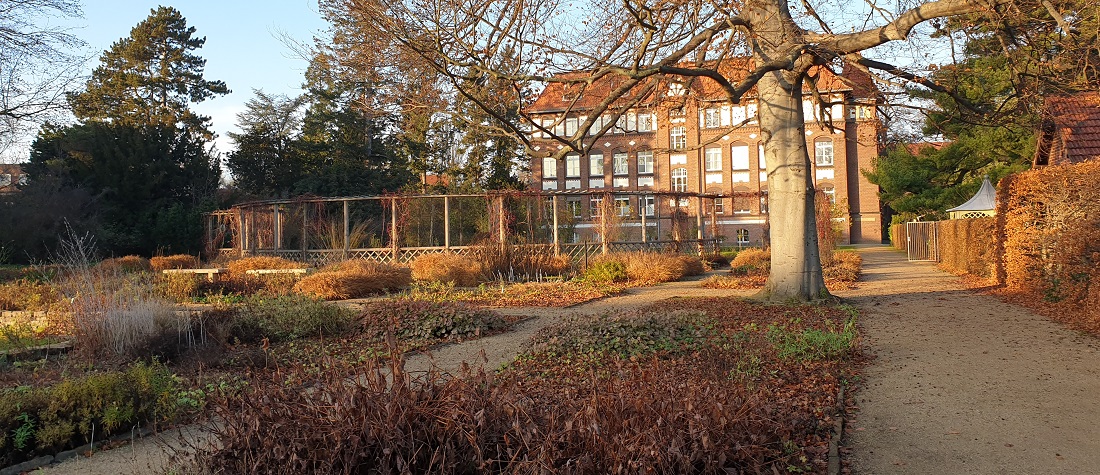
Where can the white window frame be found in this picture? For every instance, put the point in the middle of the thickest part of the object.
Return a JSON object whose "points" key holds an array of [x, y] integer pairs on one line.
{"points": [[679, 177], [595, 165], [620, 164], [719, 205], [739, 157], [712, 159], [572, 165], [645, 162], [549, 167], [647, 122], [710, 118], [677, 137], [573, 205], [650, 205], [622, 206], [823, 153], [595, 206], [742, 236], [570, 126]]}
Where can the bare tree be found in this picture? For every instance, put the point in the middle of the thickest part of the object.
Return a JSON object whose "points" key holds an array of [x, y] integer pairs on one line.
{"points": [[635, 49], [37, 66]]}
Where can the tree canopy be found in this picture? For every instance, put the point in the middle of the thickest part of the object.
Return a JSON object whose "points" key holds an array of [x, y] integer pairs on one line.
{"points": [[643, 46], [151, 77]]}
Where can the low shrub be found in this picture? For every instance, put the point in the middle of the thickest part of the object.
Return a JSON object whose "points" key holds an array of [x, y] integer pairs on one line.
{"points": [[811, 344], [354, 279], [178, 261], [240, 267], [845, 267], [179, 287], [653, 267], [693, 265], [286, 318], [240, 281], [125, 264], [751, 261], [446, 268], [606, 272], [30, 295], [77, 411], [625, 335], [412, 319]]}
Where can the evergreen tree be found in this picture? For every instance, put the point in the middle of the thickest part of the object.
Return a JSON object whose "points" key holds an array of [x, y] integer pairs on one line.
{"points": [[151, 77], [490, 152], [269, 160]]}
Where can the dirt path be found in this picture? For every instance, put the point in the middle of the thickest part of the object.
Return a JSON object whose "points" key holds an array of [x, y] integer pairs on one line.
{"points": [[964, 383]]}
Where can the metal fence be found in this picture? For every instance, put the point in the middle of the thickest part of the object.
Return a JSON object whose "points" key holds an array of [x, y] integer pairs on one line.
{"points": [[922, 241]]}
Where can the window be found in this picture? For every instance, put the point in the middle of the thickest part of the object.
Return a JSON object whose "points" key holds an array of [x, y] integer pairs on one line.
{"points": [[646, 122], [619, 164], [677, 138], [572, 165], [570, 126], [710, 118], [823, 153], [596, 207], [740, 154], [595, 164], [5, 179], [622, 206], [719, 206], [649, 205], [559, 127], [680, 179], [742, 236], [763, 201], [760, 155], [742, 201], [549, 167], [574, 206], [713, 156], [645, 162], [830, 193]]}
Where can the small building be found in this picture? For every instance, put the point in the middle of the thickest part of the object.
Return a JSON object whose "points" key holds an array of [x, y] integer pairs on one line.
{"points": [[1070, 131], [11, 176], [982, 204]]}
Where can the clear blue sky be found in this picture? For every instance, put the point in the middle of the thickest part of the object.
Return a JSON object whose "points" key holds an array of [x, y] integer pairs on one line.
{"points": [[242, 45]]}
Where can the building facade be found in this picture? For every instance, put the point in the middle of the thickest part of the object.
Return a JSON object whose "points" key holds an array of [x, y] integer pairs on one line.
{"points": [[688, 138]]}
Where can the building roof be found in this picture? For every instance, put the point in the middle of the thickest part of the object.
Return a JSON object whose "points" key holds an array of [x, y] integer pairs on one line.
{"points": [[984, 200], [916, 148], [560, 96], [1071, 130]]}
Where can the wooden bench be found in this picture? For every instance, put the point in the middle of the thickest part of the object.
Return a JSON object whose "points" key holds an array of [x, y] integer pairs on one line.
{"points": [[210, 273], [302, 271]]}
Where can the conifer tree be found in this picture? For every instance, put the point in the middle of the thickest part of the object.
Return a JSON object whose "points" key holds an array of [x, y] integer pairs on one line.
{"points": [[151, 78]]}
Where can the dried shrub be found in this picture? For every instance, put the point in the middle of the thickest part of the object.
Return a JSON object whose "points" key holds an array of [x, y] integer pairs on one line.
{"points": [[446, 267], [966, 246], [354, 279], [653, 267], [845, 266], [751, 261], [514, 262], [242, 266], [178, 261], [693, 265], [720, 405], [125, 264], [180, 287], [1051, 245], [30, 295], [422, 320]]}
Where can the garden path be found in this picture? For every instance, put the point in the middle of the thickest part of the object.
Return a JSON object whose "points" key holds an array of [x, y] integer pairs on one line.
{"points": [[965, 383]]}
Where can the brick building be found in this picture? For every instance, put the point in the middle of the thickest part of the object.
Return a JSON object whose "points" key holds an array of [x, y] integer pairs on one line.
{"points": [[1070, 132], [689, 138], [11, 176]]}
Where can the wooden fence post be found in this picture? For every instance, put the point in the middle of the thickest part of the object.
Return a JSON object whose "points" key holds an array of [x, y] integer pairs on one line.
{"points": [[446, 222], [347, 230], [557, 239]]}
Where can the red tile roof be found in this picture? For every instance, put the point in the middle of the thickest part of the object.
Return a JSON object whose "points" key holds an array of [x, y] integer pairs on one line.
{"points": [[1076, 128], [558, 96]]}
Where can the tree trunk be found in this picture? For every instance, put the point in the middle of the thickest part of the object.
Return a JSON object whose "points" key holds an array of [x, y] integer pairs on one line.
{"points": [[795, 262]]}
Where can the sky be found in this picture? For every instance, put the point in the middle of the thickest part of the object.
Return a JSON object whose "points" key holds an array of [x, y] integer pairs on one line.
{"points": [[242, 45]]}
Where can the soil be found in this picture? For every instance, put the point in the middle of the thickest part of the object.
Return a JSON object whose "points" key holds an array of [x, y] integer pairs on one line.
{"points": [[960, 382]]}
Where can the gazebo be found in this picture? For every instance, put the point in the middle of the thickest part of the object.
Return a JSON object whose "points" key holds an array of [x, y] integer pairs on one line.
{"points": [[982, 204]]}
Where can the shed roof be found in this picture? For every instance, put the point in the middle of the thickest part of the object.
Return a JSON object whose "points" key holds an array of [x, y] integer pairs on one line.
{"points": [[984, 200]]}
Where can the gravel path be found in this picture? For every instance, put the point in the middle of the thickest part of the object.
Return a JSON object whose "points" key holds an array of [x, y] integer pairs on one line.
{"points": [[964, 383]]}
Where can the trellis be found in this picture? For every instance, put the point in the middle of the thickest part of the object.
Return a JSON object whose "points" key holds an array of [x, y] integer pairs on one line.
{"points": [[399, 228]]}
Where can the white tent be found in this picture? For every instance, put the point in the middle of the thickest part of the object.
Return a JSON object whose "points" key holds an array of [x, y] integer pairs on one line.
{"points": [[982, 204]]}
